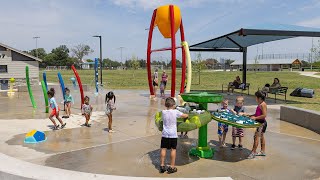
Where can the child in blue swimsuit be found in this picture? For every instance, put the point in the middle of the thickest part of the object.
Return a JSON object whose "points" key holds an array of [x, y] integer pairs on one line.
{"points": [[223, 128]]}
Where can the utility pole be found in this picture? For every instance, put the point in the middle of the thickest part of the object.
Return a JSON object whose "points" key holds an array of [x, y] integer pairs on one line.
{"points": [[36, 37], [121, 52], [100, 38]]}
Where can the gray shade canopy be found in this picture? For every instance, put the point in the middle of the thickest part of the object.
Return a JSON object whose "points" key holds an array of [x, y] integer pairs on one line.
{"points": [[239, 40]]}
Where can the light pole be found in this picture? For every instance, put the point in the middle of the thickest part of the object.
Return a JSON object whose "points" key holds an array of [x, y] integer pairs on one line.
{"points": [[100, 57], [36, 37], [121, 51]]}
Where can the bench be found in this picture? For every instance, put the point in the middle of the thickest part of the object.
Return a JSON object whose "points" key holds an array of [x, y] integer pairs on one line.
{"points": [[280, 91], [247, 87]]}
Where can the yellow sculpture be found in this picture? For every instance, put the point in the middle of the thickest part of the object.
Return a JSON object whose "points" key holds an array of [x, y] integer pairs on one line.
{"points": [[11, 82], [163, 20]]}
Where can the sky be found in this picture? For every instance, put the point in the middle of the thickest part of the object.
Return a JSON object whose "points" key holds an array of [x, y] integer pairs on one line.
{"points": [[122, 23]]}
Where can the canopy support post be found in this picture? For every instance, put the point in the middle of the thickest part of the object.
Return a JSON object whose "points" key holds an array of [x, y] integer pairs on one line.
{"points": [[244, 65]]}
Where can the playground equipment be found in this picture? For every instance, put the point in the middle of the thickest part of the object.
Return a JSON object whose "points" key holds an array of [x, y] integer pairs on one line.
{"points": [[189, 68], [45, 95], [73, 80], [44, 76], [96, 74], [34, 105], [196, 121], [80, 84], [62, 86], [203, 150], [168, 20], [11, 82], [234, 120], [34, 137]]}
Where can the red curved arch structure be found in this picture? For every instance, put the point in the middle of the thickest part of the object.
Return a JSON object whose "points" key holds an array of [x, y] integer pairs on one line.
{"points": [[173, 53], [80, 84]]}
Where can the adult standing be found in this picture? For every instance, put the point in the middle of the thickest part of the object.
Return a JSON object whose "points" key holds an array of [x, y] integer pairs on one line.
{"points": [[164, 79], [155, 82]]}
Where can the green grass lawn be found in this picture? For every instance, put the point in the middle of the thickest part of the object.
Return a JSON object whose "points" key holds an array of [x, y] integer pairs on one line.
{"points": [[210, 80]]}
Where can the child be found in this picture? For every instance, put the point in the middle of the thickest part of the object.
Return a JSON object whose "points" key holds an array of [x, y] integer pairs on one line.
{"points": [[87, 110], [110, 101], [169, 134], [55, 110], [162, 86], [265, 89], [238, 132], [259, 116], [223, 128], [68, 100]]}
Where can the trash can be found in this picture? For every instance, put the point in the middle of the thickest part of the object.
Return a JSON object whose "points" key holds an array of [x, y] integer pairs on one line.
{"points": [[302, 69], [4, 84]]}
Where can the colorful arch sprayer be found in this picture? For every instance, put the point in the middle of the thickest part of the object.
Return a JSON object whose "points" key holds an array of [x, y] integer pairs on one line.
{"points": [[34, 105], [62, 85], [44, 76], [45, 95], [79, 83], [168, 20], [96, 74]]}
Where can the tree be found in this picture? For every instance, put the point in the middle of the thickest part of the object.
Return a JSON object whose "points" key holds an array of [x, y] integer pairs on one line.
{"points": [[134, 64], [41, 55], [256, 63], [61, 54], [315, 51], [199, 65], [178, 63], [211, 63], [109, 63], [80, 51]]}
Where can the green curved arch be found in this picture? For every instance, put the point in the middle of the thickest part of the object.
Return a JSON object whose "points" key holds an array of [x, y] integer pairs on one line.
{"points": [[45, 95], [34, 105], [193, 122]]}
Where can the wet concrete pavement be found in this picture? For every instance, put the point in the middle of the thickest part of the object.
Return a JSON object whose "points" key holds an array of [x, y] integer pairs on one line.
{"points": [[292, 151]]}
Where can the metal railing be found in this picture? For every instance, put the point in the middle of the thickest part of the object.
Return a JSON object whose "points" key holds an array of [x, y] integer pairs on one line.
{"points": [[301, 56]]}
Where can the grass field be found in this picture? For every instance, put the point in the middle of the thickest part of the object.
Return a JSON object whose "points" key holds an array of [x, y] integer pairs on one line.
{"points": [[210, 80]]}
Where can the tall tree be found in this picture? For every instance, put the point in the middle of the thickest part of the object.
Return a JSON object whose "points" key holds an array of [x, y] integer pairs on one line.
{"points": [[199, 65], [134, 64], [41, 55], [81, 51], [61, 54], [315, 52]]}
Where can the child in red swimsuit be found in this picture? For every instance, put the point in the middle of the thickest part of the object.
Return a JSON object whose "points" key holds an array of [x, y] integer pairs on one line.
{"points": [[259, 116]]}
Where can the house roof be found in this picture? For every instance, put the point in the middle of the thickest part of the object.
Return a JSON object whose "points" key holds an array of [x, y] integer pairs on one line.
{"points": [[267, 61], [20, 52], [245, 37]]}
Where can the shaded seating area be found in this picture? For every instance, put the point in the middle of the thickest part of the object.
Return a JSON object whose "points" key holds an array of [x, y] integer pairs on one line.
{"points": [[239, 40]]}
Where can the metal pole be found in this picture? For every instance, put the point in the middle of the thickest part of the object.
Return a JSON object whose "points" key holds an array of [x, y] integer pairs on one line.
{"points": [[36, 37], [121, 52], [100, 60], [244, 70]]}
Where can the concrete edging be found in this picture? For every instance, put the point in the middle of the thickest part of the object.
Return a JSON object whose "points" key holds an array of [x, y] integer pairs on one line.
{"points": [[23, 169], [306, 118]]}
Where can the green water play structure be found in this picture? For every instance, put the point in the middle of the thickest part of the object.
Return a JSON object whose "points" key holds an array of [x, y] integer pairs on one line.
{"points": [[196, 121]]}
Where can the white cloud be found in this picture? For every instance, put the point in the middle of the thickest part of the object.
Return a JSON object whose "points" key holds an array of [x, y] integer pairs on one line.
{"points": [[151, 4], [314, 22]]}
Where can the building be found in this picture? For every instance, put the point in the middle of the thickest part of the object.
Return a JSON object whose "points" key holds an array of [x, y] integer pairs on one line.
{"points": [[267, 64], [13, 63]]}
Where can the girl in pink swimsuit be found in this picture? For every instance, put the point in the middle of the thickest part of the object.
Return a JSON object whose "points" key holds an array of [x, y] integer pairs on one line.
{"points": [[259, 116]]}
